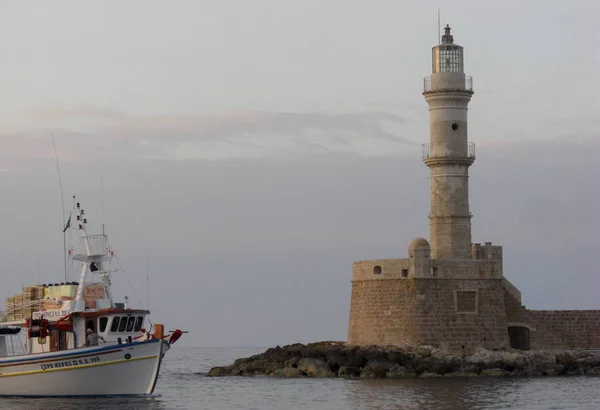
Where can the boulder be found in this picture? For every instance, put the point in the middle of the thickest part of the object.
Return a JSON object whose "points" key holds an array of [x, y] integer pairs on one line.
{"points": [[220, 371], [397, 357], [400, 372], [564, 358], [532, 363], [315, 368], [331, 359], [584, 364], [349, 372], [430, 375], [259, 367], [496, 372], [378, 369], [338, 359], [241, 361], [433, 364], [287, 372], [482, 359], [293, 362], [594, 371], [424, 351], [371, 353], [461, 374], [510, 361]]}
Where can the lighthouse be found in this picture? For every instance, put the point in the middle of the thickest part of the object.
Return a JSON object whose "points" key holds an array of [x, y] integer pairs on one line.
{"points": [[449, 154], [451, 293]]}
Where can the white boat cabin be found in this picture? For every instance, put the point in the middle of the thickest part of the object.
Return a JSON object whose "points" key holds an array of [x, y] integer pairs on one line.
{"points": [[113, 326]]}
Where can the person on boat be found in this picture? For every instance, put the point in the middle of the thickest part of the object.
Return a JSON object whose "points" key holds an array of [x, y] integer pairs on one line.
{"points": [[93, 337]]}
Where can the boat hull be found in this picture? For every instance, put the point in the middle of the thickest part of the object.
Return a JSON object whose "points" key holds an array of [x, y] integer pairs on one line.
{"points": [[128, 369]]}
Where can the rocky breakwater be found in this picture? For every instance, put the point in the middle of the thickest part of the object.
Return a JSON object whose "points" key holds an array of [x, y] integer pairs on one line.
{"points": [[337, 359]]}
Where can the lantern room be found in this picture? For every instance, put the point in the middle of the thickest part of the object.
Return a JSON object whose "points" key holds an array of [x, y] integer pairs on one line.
{"points": [[447, 57]]}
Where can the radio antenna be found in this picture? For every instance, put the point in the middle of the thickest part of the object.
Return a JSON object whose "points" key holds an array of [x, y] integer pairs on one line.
{"points": [[62, 199], [439, 32], [147, 285], [102, 198]]}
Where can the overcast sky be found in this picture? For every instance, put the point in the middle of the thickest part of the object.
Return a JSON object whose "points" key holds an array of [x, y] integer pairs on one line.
{"points": [[252, 150]]}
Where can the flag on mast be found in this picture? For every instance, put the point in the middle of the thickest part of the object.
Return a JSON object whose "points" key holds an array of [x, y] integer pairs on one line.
{"points": [[67, 225]]}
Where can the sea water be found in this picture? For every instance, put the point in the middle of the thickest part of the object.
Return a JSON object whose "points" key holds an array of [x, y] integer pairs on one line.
{"points": [[183, 384]]}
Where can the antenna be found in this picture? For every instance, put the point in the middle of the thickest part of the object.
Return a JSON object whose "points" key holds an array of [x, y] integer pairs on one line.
{"points": [[62, 199], [21, 258], [147, 285], [439, 32], [102, 198]]}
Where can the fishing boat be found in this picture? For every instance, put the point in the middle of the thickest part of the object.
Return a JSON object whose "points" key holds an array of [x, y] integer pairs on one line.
{"points": [[73, 339]]}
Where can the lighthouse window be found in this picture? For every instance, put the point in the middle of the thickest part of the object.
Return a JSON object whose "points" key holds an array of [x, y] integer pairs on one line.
{"points": [[115, 324], [447, 59], [455, 126], [103, 322]]}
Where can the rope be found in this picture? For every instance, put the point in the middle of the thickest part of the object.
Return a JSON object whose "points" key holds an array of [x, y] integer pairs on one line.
{"points": [[132, 289]]}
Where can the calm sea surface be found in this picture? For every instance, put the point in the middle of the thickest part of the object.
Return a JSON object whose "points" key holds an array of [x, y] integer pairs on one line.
{"points": [[183, 385]]}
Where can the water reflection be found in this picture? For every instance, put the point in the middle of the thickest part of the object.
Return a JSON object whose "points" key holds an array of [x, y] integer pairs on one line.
{"points": [[417, 393], [473, 394]]}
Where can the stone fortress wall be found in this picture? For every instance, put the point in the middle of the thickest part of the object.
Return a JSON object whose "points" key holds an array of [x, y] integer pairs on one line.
{"points": [[554, 329], [419, 300], [456, 304]]}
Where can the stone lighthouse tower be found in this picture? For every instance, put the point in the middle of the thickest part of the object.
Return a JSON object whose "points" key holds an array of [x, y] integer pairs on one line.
{"points": [[449, 154], [448, 292]]}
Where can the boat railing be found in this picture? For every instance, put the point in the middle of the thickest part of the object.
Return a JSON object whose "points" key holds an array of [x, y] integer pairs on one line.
{"points": [[92, 245], [23, 305], [98, 244], [15, 349], [15, 346]]}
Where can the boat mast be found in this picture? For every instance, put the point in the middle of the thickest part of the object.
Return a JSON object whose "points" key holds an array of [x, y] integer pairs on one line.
{"points": [[94, 253], [81, 220]]}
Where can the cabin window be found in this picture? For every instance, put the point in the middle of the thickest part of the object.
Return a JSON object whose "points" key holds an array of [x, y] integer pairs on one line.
{"points": [[123, 324], [138, 323], [102, 323], [115, 324], [130, 323]]}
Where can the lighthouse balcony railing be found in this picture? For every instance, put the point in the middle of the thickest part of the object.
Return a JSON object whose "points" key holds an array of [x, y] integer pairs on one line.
{"points": [[429, 86], [434, 151]]}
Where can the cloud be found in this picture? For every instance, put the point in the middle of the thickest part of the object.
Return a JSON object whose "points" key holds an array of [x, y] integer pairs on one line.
{"points": [[225, 135], [92, 131], [57, 113]]}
